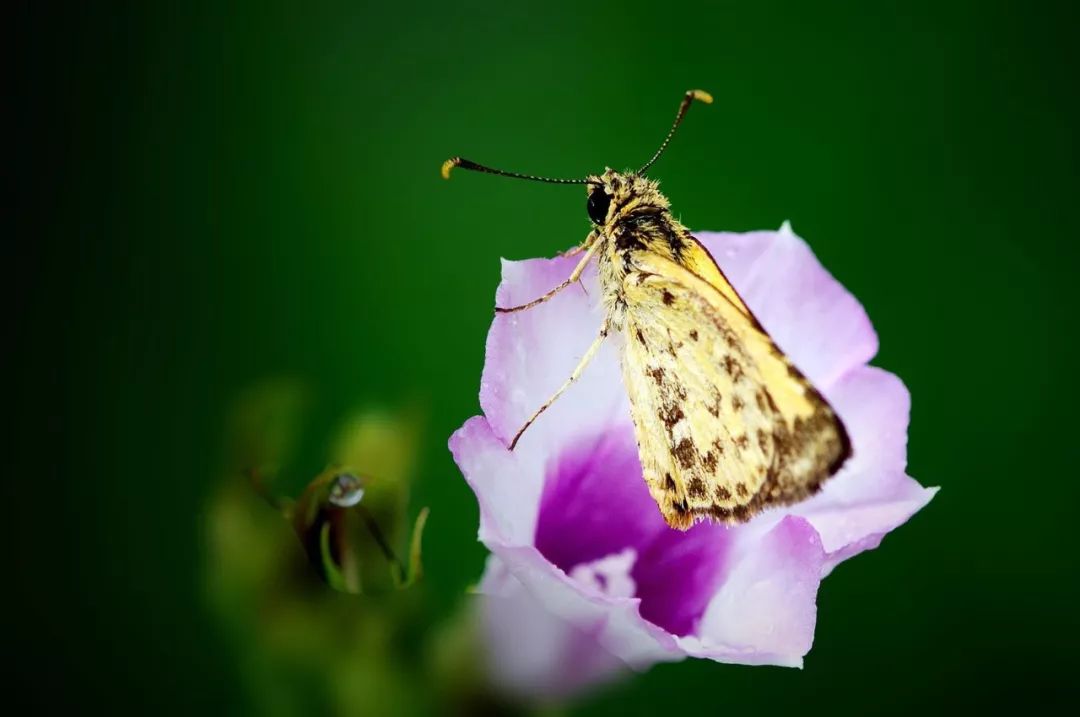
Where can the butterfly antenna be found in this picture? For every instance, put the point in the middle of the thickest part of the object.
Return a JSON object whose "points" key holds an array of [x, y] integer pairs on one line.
{"points": [[469, 164], [691, 95]]}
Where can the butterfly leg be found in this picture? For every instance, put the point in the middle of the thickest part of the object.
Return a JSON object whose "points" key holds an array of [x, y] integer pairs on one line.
{"points": [[582, 246], [574, 276], [589, 354]]}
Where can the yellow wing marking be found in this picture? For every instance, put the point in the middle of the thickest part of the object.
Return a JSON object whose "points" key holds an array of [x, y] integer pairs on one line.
{"points": [[697, 259], [725, 424]]}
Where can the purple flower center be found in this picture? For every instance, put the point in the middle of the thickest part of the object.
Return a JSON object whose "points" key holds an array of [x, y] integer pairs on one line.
{"points": [[596, 504]]}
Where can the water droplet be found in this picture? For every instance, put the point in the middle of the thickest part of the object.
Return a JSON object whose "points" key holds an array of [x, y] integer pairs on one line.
{"points": [[346, 490]]}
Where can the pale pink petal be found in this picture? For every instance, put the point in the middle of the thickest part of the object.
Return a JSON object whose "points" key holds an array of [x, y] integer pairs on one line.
{"points": [[871, 495], [507, 485], [875, 407], [766, 609], [531, 353], [615, 622], [531, 652], [849, 529]]}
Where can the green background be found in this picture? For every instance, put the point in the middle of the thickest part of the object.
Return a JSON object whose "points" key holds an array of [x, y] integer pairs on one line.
{"points": [[213, 196]]}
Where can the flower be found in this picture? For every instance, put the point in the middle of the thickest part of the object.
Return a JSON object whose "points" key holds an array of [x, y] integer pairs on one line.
{"points": [[585, 578]]}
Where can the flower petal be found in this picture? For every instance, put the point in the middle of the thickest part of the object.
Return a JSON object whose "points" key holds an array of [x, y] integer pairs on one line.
{"points": [[871, 495], [615, 622], [875, 407], [677, 574], [849, 529], [609, 575], [507, 485], [595, 501], [531, 353], [809, 314], [532, 652], [766, 609]]}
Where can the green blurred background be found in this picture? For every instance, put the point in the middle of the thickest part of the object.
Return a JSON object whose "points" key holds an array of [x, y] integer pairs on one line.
{"points": [[211, 196]]}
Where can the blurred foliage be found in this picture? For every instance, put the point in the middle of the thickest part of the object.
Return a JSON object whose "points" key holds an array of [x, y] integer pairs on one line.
{"points": [[354, 637], [299, 643]]}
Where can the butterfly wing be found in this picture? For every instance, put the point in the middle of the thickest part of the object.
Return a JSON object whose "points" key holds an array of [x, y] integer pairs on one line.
{"points": [[726, 425]]}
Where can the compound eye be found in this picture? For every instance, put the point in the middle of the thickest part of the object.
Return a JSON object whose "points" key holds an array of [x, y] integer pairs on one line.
{"points": [[599, 201]]}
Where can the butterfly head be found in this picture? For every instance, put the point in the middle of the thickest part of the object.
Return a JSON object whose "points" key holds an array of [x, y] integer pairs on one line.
{"points": [[616, 195]]}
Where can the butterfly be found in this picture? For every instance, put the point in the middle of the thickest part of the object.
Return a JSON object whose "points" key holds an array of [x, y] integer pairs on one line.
{"points": [[726, 425]]}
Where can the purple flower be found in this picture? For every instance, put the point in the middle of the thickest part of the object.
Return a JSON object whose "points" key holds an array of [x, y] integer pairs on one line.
{"points": [[585, 577]]}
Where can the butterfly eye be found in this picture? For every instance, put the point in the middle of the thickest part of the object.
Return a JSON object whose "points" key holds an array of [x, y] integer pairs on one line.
{"points": [[599, 201]]}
